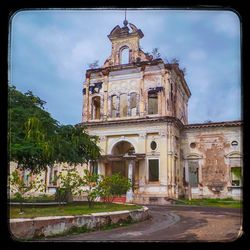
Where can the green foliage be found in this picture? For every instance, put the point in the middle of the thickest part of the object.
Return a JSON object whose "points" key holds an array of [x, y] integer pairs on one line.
{"points": [[69, 185], [156, 54], [73, 208], [92, 186], [40, 198], [30, 131], [74, 145], [227, 202], [36, 140], [20, 188], [114, 185], [72, 184]]}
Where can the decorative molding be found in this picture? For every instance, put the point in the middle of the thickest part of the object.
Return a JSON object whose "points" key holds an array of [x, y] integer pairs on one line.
{"points": [[193, 156], [234, 154]]}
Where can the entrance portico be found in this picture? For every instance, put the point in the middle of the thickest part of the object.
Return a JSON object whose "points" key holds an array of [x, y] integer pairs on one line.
{"points": [[125, 161]]}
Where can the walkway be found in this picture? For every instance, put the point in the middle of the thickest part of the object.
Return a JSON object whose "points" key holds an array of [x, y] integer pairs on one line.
{"points": [[173, 223]]}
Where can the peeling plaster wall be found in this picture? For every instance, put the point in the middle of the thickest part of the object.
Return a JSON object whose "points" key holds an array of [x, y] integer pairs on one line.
{"points": [[211, 148]]}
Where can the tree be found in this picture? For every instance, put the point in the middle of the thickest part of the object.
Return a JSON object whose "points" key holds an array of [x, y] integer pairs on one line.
{"points": [[20, 188], [114, 185], [31, 131], [92, 187], [74, 145], [69, 185], [36, 140], [72, 183], [156, 54]]}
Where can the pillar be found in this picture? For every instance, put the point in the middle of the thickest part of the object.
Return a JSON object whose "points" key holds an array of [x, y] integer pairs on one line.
{"points": [[129, 194], [86, 101], [105, 97], [141, 95]]}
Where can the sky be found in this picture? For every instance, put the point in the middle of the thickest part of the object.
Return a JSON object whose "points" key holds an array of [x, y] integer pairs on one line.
{"points": [[50, 51]]}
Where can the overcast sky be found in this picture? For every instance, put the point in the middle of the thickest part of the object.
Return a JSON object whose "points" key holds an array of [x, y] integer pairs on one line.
{"points": [[51, 49]]}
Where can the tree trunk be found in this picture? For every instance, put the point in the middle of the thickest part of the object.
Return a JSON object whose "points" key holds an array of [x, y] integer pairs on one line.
{"points": [[46, 174]]}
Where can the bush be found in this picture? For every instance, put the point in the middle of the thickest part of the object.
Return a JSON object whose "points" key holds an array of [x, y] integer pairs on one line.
{"points": [[114, 185]]}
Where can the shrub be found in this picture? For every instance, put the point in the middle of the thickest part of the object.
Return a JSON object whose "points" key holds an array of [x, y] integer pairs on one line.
{"points": [[114, 185]]}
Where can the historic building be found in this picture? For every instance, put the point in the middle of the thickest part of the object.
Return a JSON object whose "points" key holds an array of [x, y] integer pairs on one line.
{"points": [[138, 106]]}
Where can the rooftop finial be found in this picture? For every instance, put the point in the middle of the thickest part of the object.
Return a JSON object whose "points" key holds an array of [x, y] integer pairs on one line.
{"points": [[125, 22]]}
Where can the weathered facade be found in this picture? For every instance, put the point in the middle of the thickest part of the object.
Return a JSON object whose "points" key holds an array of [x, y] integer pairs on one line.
{"points": [[138, 105]]}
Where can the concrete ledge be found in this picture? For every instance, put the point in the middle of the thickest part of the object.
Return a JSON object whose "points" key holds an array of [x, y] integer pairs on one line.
{"points": [[30, 228], [38, 203]]}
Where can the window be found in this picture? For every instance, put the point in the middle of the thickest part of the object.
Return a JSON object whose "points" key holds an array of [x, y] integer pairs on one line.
{"points": [[124, 55], [235, 171], [153, 145], [153, 170], [114, 106], [133, 104], [236, 176], [193, 167], [55, 178], [96, 106], [123, 105], [94, 168], [152, 102], [234, 143]]}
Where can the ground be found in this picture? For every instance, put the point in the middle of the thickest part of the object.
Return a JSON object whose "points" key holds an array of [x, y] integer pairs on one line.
{"points": [[173, 223]]}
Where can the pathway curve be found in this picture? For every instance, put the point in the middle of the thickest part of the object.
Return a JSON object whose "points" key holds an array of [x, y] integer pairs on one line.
{"points": [[173, 223]]}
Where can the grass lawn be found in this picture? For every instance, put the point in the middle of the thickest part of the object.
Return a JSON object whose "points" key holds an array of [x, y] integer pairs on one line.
{"points": [[75, 208], [227, 203]]}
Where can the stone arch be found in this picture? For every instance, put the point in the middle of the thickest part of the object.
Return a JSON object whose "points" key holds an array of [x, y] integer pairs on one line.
{"points": [[121, 140], [96, 107], [124, 54]]}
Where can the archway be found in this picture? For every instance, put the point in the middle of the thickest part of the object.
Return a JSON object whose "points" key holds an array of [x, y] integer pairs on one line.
{"points": [[124, 55], [120, 149]]}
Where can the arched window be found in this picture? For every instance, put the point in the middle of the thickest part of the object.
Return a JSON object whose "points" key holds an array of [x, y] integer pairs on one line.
{"points": [[133, 104], [124, 55], [96, 107], [114, 106], [123, 105], [152, 102]]}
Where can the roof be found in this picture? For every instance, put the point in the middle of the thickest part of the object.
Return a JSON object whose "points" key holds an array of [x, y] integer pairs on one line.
{"points": [[214, 124]]}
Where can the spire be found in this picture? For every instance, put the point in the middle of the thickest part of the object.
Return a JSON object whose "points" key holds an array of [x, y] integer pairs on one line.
{"points": [[125, 22]]}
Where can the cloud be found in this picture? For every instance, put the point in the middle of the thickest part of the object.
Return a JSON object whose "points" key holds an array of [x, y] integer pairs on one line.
{"points": [[197, 55], [51, 51]]}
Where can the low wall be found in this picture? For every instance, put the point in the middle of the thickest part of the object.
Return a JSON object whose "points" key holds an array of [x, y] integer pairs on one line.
{"points": [[56, 225]]}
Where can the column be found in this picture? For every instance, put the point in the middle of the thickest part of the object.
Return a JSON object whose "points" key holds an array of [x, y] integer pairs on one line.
{"points": [[141, 95], [128, 105], [86, 101], [129, 194], [118, 106], [105, 97], [163, 93]]}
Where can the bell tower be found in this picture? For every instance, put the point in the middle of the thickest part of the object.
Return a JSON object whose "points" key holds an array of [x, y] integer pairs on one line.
{"points": [[125, 45]]}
